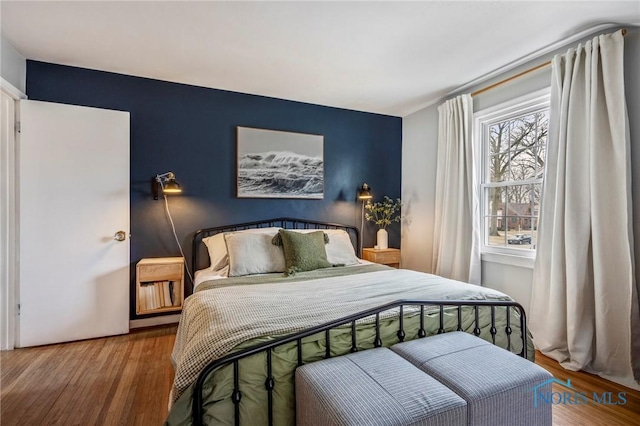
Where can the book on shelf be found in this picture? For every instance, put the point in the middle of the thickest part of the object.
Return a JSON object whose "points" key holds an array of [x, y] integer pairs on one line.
{"points": [[148, 294], [144, 295], [142, 300], [152, 296], [175, 295], [154, 293], [159, 294], [167, 294]]}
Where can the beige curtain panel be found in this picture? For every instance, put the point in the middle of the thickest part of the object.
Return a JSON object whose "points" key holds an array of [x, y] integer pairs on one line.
{"points": [[584, 309], [456, 240]]}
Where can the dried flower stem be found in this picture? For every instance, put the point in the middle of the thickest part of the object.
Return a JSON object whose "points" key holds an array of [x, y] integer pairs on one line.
{"points": [[384, 213]]}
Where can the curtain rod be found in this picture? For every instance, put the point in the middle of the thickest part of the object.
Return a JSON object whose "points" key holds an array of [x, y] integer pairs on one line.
{"points": [[513, 77]]}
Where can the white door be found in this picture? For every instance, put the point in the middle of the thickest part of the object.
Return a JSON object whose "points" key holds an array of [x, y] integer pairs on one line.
{"points": [[8, 219], [74, 198]]}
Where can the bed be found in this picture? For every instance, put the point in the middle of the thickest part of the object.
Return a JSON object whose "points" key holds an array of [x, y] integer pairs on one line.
{"points": [[248, 325]]}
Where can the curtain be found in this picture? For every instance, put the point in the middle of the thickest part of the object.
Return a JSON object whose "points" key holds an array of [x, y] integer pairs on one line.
{"points": [[584, 308], [456, 239]]}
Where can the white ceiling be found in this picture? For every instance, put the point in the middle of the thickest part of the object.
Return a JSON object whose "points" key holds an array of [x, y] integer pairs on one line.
{"points": [[384, 57]]}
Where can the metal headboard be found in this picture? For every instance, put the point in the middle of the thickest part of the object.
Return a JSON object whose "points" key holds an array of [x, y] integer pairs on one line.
{"points": [[200, 255]]}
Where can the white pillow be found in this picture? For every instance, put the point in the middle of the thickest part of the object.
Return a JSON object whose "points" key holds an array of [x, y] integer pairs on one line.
{"points": [[339, 249], [217, 247], [251, 253]]}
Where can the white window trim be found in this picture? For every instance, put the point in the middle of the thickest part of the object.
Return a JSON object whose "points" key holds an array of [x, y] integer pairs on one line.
{"points": [[514, 107], [522, 261]]}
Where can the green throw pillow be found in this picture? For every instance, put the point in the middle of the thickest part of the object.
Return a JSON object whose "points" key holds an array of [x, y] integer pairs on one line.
{"points": [[277, 239], [303, 252]]}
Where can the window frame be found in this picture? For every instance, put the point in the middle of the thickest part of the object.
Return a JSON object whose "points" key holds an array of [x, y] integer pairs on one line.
{"points": [[483, 119]]}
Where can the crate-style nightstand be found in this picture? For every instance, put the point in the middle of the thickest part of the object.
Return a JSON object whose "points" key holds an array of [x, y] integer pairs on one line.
{"points": [[390, 256], [159, 285]]}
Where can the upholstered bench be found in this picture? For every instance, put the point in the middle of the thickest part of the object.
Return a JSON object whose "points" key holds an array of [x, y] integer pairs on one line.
{"points": [[373, 387], [497, 385]]}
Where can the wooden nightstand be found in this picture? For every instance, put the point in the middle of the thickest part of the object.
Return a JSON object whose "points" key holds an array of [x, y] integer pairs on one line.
{"points": [[159, 285], [390, 256]]}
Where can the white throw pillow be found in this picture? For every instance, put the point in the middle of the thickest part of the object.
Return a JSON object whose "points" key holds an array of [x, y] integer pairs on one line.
{"points": [[251, 253], [340, 250], [217, 247]]}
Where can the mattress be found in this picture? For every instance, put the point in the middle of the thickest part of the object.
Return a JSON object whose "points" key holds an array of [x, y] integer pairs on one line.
{"points": [[230, 314]]}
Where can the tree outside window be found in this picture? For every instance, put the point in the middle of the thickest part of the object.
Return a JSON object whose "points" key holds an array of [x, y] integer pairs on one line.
{"points": [[514, 163]]}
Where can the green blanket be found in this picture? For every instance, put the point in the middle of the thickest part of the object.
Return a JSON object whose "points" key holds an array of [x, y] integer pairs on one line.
{"points": [[232, 314], [298, 277]]}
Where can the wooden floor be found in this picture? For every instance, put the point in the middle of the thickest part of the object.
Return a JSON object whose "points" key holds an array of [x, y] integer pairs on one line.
{"points": [[125, 380], [122, 380], [591, 413]]}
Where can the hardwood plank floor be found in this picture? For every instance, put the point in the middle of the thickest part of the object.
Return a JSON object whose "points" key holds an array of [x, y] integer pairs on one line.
{"points": [[125, 380], [591, 413], [121, 380]]}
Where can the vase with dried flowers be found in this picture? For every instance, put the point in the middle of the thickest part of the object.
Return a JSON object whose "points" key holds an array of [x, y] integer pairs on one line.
{"points": [[383, 214]]}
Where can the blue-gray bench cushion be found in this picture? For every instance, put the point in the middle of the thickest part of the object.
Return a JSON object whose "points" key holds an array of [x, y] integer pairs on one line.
{"points": [[373, 387], [497, 385]]}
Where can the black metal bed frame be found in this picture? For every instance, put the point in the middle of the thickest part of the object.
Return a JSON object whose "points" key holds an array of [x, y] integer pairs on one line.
{"points": [[236, 396], [438, 307]]}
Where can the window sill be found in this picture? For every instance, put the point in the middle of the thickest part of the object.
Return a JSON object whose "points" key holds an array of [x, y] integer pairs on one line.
{"points": [[522, 261]]}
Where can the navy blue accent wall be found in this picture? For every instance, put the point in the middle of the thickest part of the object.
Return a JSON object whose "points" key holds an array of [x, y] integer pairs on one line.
{"points": [[192, 131]]}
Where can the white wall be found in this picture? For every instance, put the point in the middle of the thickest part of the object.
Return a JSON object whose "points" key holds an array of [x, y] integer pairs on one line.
{"points": [[13, 66], [419, 144], [418, 188]]}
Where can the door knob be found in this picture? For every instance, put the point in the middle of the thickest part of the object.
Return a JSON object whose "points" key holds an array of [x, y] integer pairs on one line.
{"points": [[120, 236]]}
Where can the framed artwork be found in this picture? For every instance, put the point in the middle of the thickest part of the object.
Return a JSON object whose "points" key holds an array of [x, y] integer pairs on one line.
{"points": [[275, 164]]}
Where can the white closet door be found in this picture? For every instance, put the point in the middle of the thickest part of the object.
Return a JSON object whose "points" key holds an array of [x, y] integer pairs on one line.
{"points": [[74, 198]]}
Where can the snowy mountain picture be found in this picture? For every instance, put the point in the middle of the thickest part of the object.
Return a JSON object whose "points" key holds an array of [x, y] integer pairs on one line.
{"points": [[275, 164]]}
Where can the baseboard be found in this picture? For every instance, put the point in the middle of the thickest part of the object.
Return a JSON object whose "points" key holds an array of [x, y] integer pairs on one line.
{"points": [[150, 322]]}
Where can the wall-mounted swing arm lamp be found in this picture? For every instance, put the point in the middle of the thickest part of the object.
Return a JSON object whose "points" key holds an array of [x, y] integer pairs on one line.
{"points": [[363, 194], [165, 183]]}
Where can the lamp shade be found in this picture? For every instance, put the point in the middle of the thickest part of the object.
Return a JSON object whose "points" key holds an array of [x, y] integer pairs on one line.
{"points": [[165, 182], [171, 187], [364, 192]]}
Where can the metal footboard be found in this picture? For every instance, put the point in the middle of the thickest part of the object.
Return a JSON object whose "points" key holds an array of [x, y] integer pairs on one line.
{"points": [[435, 307]]}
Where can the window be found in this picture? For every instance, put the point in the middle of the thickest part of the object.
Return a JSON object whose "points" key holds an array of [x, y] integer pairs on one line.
{"points": [[513, 141]]}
